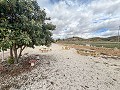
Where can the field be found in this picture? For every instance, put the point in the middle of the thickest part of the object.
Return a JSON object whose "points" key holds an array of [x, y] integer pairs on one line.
{"points": [[107, 48], [106, 44], [97, 44]]}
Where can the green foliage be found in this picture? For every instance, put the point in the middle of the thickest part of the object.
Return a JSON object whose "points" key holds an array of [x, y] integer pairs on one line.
{"points": [[22, 23], [106, 44], [10, 60]]}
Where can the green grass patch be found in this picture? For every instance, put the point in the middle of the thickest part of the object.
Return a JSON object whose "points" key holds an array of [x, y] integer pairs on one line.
{"points": [[97, 44]]}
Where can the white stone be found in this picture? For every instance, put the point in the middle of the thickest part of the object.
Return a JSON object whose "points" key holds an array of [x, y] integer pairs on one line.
{"points": [[32, 64]]}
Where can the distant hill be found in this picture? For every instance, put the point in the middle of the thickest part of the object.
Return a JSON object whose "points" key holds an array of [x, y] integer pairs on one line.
{"points": [[95, 39], [74, 39], [112, 39]]}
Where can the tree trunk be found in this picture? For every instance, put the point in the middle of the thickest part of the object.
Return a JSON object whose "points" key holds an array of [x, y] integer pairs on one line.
{"points": [[20, 53], [11, 52], [21, 49], [15, 54]]}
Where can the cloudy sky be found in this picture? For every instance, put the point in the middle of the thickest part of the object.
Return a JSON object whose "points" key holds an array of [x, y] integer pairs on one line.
{"points": [[83, 18]]}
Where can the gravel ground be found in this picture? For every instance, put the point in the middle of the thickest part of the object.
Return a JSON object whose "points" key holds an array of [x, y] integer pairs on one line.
{"points": [[66, 70]]}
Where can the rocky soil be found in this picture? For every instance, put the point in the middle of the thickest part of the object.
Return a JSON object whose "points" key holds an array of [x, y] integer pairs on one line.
{"points": [[65, 70]]}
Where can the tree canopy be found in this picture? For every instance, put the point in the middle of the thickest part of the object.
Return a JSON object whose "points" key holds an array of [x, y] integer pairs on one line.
{"points": [[22, 24]]}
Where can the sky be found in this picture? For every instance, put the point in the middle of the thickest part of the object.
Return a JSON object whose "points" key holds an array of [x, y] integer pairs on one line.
{"points": [[83, 18]]}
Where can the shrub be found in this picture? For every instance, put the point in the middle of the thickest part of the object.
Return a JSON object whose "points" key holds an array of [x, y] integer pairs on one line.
{"points": [[10, 60]]}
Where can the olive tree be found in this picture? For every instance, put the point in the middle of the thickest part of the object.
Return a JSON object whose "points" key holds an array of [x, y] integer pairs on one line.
{"points": [[22, 24]]}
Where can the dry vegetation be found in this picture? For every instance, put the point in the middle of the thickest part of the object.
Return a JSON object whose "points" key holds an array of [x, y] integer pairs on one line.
{"points": [[100, 50]]}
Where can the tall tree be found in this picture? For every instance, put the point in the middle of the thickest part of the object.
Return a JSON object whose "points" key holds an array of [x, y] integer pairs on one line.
{"points": [[22, 24]]}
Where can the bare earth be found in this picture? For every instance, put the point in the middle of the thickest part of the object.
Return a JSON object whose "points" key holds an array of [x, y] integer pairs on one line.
{"points": [[68, 70]]}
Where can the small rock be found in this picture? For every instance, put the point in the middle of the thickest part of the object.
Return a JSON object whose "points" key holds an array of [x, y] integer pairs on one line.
{"points": [[25, 77], [52, 83]]}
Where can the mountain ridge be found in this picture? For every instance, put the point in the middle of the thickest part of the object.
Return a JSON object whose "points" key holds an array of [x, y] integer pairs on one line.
{"points": [[111, 39]]}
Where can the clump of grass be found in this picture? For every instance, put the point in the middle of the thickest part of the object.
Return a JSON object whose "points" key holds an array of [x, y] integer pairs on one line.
{"points": [[105, 63], [10, 60], [114, 65], [96, 62]]}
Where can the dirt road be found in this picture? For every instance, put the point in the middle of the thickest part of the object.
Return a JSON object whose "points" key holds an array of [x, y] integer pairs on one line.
{"points": [[68, 70]]}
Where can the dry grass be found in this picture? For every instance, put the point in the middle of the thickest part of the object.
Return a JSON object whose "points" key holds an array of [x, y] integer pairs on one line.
{"points": [[100, 50]]}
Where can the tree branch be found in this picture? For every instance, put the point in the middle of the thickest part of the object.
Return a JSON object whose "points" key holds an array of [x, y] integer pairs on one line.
{"points": [[21, 49]]}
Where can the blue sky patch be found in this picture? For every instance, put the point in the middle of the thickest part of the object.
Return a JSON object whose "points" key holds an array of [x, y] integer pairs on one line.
{"points": [[54, 1], [101, 20], [74, 1], [101, 30], [85, 1]]}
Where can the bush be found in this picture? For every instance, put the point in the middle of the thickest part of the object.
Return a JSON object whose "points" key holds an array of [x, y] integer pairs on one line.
{"points": [[10, 60]]}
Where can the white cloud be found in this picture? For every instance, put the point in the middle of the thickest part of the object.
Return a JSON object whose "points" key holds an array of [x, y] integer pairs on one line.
{"points": [[76, 19]]}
